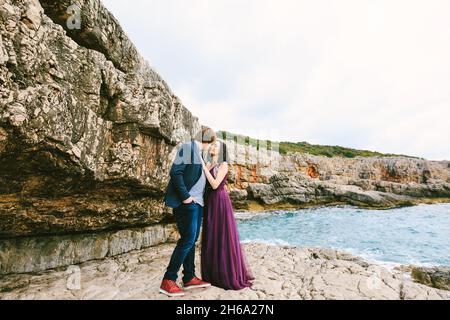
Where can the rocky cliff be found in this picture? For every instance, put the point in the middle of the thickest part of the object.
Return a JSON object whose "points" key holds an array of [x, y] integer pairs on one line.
{"points": [[86, 134], [265, 179], [87, 131], [86, 126]]}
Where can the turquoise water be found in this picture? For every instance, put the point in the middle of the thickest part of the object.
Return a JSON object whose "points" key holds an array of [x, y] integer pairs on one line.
{"points": [[413, 235]]}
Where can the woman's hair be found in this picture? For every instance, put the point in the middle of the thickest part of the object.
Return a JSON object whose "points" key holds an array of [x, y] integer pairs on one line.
{"points": [[223, 153]]}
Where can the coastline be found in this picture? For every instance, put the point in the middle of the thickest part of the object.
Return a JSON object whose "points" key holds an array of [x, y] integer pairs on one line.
{"points": [[279, 239], [281, 272], [258, 207], [423, 260]]}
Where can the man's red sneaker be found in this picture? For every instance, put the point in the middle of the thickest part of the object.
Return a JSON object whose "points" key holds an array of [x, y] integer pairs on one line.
{"points": [[196, 283], [170, 288]]}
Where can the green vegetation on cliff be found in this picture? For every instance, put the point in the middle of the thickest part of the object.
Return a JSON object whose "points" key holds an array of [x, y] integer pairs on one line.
{"points": [[329, 151], [305, 147]]}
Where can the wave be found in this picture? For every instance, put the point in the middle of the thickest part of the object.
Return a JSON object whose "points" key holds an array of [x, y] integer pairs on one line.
{"points": [[243, 216], [270, 242]]}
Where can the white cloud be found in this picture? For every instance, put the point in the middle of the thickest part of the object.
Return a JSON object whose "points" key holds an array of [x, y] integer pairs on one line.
{"points": [[364, 74]]}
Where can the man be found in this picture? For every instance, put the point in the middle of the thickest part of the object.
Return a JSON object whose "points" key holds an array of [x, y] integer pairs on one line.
{"points": [[185, 195]]}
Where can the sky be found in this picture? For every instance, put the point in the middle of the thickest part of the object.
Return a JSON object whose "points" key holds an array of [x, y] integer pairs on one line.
{"points": [[363, 74]]}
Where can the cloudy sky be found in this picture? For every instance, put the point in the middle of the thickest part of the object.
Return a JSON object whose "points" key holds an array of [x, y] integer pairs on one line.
{"points": [[359, 73]]}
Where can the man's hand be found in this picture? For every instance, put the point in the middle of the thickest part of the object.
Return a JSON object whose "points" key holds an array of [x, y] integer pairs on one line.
{"points": [[189, 200]]}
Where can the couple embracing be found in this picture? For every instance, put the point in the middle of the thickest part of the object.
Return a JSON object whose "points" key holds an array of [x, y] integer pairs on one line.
{"points": [[222, 260]]}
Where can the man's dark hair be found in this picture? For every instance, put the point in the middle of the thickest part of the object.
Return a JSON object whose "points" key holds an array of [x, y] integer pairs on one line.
{"points": [[206, 135]]}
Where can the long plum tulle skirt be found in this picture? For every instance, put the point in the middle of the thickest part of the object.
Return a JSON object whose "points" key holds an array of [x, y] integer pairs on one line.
{"points": [[223, 262]]}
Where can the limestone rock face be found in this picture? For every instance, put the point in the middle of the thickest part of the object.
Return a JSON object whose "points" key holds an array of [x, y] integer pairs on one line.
{"points": [[90, 24], [34, 254], [302, 179], [86, 126]]}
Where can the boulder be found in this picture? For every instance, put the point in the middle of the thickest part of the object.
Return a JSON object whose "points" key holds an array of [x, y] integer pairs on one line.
{"points": [[437, 277]]}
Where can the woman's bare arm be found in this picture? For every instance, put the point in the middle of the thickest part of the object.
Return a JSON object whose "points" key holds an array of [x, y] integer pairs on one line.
{"points": [[215, 182]]}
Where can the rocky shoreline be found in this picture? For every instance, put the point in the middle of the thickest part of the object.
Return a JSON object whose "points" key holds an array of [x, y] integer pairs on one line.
{"points": [[262, 179], [255, 206], [281, 273]]}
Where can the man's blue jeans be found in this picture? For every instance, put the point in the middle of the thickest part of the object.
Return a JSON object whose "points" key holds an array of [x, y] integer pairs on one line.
{"points": [[189, 220]]}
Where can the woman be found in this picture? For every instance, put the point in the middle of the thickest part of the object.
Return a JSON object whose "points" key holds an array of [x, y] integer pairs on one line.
{"points": [[223, 262]]}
